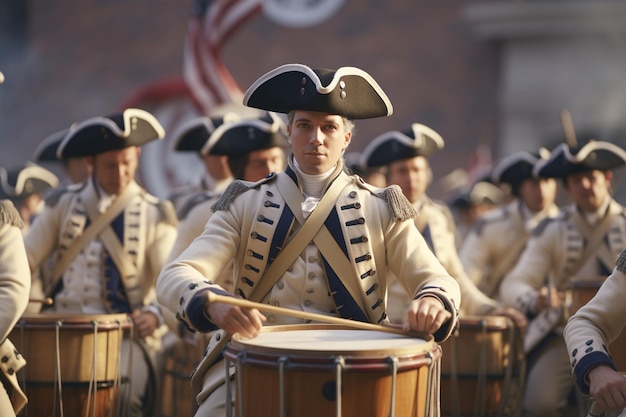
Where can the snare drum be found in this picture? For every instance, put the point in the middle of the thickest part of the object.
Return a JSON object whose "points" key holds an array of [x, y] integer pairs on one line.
{"points": [[483, 368], [73, 362], [578, 293], [330, 370]]}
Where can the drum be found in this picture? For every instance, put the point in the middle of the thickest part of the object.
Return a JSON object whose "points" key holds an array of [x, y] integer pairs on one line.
{"points": [[331, 370], [73, 363], [483, 368], [177, 399], [578, 293]]}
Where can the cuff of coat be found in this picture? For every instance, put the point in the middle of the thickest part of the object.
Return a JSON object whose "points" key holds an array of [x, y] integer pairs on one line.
{"points": [[196, 313], [585, 365], [449, 326]]}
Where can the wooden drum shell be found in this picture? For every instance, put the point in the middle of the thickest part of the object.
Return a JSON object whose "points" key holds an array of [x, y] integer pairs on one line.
{"points": [[310, 375]]}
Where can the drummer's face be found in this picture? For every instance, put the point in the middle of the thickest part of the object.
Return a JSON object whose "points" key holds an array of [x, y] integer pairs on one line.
{"points": [[318, 140], [114, 170], [589, 190]]}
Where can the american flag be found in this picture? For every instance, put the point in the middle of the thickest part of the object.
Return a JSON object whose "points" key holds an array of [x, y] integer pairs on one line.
{"points": [[212, 23]]}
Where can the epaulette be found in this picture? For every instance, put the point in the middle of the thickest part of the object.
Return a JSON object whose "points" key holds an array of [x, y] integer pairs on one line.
{"points": [[194, 200], [55, 195], [538, 230], [490, 217], [10, 215], [165, 207], [236, 188], [400, 207], [620, 264]]}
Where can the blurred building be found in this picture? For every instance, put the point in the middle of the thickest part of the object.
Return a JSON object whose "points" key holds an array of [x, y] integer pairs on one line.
{"points": [[492, 73]]}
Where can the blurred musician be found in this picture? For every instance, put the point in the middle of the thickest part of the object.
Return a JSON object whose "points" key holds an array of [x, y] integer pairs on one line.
{"points": [[14, 288], [111, 238], [583, 240]]}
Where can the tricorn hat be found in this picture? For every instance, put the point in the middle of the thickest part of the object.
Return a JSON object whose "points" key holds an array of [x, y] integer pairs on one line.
{"points": [[46, 151], [518, 167], [593, 155], [481, 192], [347, 91], [195, 133], [392, 146], [24, 181], [247, 135], [132, 127]]}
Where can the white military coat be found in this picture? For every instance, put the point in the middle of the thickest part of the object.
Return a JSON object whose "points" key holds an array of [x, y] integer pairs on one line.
{"points": [[14, 290], [495, 244], [596, 324], [146, 227], [436, 224], [252, 222]]}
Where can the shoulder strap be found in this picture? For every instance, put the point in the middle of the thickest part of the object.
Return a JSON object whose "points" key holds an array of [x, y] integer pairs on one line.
{"points": [[301, 239], [98, 223], [128, 270], [594, 236]]}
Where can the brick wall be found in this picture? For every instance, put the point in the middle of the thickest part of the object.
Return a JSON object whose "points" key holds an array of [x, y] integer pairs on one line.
{"points": [[83, 59]]}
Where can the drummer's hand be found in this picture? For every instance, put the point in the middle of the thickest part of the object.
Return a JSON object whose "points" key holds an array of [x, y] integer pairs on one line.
{"points": [[145, 322], [547, 298], [426, 314], [234, 319], [518, 318], [608, 388]]}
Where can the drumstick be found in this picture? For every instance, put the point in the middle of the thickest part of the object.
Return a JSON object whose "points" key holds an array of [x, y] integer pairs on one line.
{"points": [[47, 301], [360, 325]]}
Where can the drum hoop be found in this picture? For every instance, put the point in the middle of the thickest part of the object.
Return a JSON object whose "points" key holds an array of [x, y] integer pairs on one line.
{"points": [[238, 343], [489, 323], [74, 322], [297, 362]]}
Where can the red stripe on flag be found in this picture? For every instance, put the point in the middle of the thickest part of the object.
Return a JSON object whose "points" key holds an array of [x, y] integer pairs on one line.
{"points": [[209, 80]]}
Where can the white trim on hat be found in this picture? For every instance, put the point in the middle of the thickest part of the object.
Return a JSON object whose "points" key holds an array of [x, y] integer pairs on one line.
{"points": [[418, 129], [181, 132], [318, 83], [225, 127], [127, 115], [507, 162], [29, 171], [591, 146]]}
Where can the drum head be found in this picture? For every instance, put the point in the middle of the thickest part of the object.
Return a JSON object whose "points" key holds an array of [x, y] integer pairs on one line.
{"points": [[324, 340]]}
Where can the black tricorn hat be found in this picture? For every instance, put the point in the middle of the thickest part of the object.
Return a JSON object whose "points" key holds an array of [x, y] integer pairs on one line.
{"points": [[195, 133], [347, 91], [593, 155], [247, 135], [24, 181], [46, 151], [392, 146], [518, 167], [132, 127]]}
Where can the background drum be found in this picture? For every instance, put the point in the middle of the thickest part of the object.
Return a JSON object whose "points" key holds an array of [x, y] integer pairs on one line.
{"points": [[579, 292], [177, 399], [73, 363], [482, 369], [331, 370]]}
